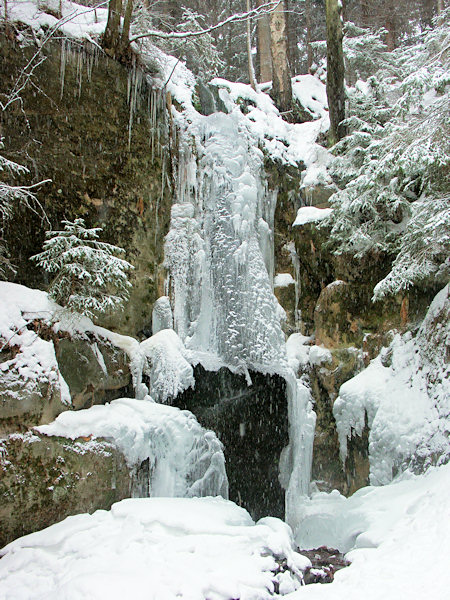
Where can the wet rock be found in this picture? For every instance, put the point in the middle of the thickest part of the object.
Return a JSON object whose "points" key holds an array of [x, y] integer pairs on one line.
{"points": [[325, 562]]}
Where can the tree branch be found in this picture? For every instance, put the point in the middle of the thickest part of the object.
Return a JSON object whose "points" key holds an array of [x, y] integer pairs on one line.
{"points": [[266, 8]]}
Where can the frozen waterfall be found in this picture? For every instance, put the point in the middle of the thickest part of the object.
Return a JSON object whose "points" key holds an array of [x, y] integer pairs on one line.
{"points": [[219, 254]]}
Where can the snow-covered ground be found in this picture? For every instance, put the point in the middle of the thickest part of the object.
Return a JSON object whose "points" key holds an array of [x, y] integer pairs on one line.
{"points": [[154, 549], [208, 548], [397, 537]]}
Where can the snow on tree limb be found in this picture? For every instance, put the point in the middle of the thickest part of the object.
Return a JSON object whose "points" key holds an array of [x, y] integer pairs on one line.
{"points": [[90, 277], [236, 18]]}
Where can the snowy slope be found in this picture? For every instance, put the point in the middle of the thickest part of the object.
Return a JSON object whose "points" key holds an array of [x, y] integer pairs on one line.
{"points": [[397, 535], [197, 549], [405, 393]]}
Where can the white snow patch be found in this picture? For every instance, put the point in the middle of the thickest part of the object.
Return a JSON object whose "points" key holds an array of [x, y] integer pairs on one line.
{"points": [[283, 280], [297, 348], [311, 214], [152, 549], [319, 355], [166, 362]]}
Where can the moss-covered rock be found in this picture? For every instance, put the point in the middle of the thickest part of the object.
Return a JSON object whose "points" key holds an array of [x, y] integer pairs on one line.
{"points": [[27, 402], [45, 479]]}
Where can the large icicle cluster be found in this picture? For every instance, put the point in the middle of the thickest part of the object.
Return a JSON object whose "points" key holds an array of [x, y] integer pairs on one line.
{"points": [[185, 460], [219, 250]]}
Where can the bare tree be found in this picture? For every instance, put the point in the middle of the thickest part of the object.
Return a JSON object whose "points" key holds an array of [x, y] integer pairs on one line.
{"points": [[335, 70], [282, 84], [264, 55], [251, 69]]}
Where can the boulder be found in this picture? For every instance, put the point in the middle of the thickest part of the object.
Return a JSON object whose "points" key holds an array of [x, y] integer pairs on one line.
{"points": [[45, 479]]}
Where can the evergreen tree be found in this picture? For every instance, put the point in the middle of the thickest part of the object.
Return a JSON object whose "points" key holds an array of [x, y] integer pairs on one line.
{"points": [[393, 168], [90, 277]]}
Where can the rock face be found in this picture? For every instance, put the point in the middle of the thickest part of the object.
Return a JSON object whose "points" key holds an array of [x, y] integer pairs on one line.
{"points": [[95, 370], [76, 132], [331, 302], [43, 480]]}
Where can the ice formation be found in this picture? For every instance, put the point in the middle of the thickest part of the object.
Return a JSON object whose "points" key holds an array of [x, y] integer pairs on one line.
{"points": [[219, 250], [185, 460]]}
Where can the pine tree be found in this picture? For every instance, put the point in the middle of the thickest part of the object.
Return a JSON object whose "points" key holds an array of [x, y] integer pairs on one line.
{"points": [[90, 278], [393, 168]]}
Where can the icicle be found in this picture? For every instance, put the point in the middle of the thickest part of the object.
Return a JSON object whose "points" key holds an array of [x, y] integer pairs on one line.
{"points": [[79, 71], [296, 264], [62, 68]]}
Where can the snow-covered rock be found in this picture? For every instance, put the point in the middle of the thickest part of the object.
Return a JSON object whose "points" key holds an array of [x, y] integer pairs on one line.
{"points": [[184, 459], [158, 549], [404, 394]]}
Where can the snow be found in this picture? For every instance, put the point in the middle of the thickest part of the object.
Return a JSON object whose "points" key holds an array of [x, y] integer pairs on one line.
{"points": [[78, 21], [393, 535], [311, 214], [404, 393], [297, 348], [166, 363], [160, 549], [319, 355], [185, 459], [283, 280]]}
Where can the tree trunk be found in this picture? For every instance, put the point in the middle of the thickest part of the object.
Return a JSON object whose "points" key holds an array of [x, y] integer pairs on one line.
{"points": [[125, 37], [111, 36], [251, 70], [291, 37], [440, 10], [335, 71], [390, 24], [309, 53], [264, 55], [282, 85]]}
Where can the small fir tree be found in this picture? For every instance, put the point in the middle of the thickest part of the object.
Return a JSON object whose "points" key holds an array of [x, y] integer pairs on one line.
{"points": [[90, 278]]}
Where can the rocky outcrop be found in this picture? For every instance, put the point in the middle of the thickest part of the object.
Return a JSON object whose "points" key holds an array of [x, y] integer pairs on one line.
{"points": [[97, 131], [87, 369], [43, 480]]}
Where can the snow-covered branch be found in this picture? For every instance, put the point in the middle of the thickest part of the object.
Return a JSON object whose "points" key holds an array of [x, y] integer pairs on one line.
{"points": [[263, 9]]}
